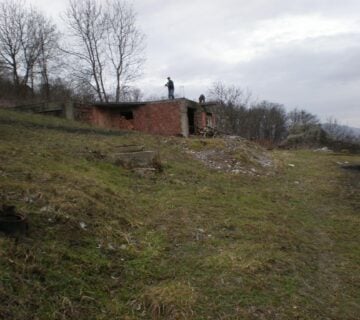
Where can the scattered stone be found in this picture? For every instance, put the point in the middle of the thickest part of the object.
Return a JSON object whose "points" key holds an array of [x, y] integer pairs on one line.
{"points": [[234, 155], [47, 209], [199, 235], [291, 165], [324, 149], [111, 247], [83, 225]]}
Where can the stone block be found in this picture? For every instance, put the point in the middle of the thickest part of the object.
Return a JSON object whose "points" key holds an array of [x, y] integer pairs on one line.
{"points": [[129, 148], [140, 159]]}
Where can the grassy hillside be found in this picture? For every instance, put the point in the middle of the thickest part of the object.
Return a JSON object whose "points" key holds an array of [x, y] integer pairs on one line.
{"points": [[190, 242]]}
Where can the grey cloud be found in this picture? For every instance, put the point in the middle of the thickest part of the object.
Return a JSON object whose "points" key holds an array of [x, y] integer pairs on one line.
{"points": [[325, 83]]}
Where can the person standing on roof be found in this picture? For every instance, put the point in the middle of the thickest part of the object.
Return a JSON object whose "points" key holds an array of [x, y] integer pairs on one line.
{"points": [[171, 88]]}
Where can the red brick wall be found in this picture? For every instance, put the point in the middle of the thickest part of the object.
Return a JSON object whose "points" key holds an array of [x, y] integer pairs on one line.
{"points": [[201, 118], [159, 117], [112, 119], [84, 112], [163, 117]]}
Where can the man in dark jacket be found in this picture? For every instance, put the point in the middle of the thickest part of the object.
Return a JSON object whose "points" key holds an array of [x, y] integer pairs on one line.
{"points": [[171, 88]]}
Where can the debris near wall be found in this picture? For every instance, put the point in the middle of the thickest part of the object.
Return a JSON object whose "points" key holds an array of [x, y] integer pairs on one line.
{"points": [[208, 132], [232, 154]]}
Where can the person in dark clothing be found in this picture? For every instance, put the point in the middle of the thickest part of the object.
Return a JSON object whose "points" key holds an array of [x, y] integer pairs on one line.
{"points": [[202, 99], [171, 88]]}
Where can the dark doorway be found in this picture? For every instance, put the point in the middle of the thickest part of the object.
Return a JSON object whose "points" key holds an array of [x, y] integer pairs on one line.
{"points": [[191, 118]]}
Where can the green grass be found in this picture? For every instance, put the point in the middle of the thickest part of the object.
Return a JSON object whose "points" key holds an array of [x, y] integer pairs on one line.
{"points": [[186, 243]]}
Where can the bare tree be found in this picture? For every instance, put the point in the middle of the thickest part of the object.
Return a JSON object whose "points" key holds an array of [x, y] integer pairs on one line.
{"points": [[131, 94], [25, 35], [229, 95], [301, 118], [49, 53], [266, 122], [233, 102], [125, 44], [3, 70], [107, 46], [87, 28], [12, 28], [30, 45]]}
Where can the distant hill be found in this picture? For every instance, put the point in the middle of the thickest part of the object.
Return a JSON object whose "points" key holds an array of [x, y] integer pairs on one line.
{"points": [[356, 131]]}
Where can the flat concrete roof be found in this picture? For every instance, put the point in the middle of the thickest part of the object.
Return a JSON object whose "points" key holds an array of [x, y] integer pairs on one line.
{"points": [[129, 105], [118, 105]]}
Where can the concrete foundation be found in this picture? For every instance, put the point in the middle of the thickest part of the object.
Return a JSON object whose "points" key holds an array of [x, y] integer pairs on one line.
{"points": [[131, 160]]}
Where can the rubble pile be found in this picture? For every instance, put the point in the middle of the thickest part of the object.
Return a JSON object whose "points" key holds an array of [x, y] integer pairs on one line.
{"points": [[234, 155]]}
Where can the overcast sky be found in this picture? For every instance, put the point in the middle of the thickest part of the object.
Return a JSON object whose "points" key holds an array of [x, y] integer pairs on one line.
{"points": [[300, 53]]}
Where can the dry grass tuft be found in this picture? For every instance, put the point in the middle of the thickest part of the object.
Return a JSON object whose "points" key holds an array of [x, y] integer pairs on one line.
{"points": [[172, 300]]}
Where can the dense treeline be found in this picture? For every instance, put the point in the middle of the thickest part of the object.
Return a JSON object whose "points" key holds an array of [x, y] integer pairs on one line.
{"points": [[261, 121], [269, 123]]}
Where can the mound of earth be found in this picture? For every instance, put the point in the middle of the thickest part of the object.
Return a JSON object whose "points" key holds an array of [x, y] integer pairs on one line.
{"points": [[231, 154]]}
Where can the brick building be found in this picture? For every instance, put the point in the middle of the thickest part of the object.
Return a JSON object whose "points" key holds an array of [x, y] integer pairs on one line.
{"points": [[180, 117], [168, 117]]}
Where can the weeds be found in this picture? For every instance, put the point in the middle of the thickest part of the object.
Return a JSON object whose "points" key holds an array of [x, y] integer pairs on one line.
{"points": [[186, 242]]}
